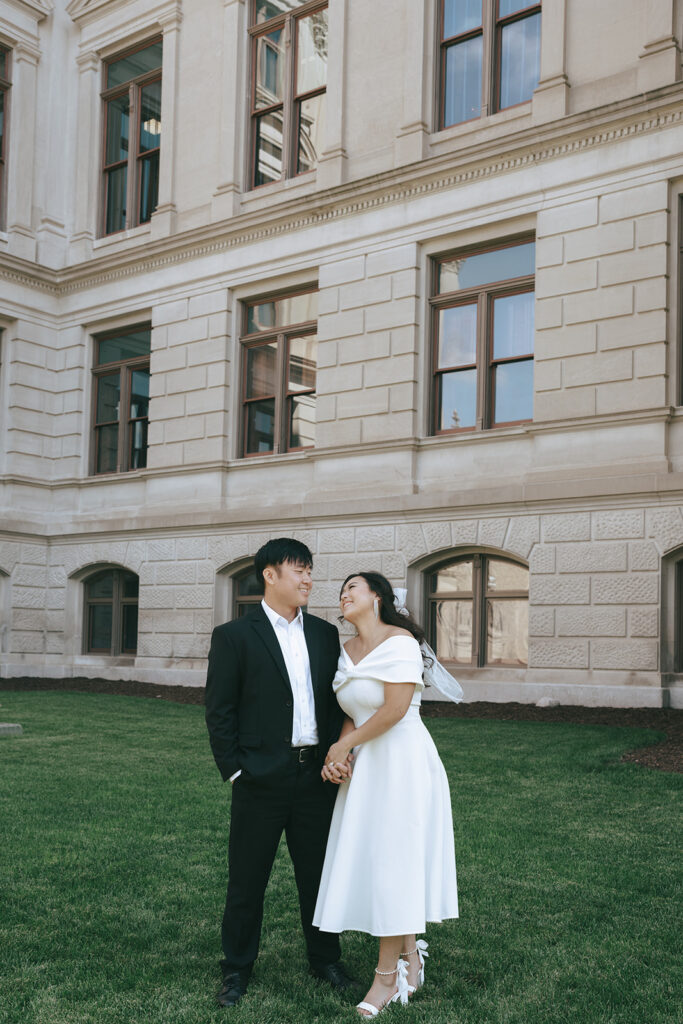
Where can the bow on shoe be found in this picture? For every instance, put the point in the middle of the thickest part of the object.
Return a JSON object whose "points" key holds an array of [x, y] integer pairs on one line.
{"points": [[402, 981]]}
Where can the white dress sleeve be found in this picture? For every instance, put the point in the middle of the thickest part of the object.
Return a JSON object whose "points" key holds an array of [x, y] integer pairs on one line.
{"points": [[397, 660]]}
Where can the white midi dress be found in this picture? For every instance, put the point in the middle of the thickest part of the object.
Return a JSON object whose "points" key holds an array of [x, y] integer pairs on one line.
{"points": [[390, 860]]}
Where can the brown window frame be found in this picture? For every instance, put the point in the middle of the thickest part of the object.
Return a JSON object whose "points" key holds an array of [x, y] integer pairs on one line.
{"points": [[291, 99], [117, 601], [243, 603], [135, 158], [126, 367], [281, 336], [5, 89], [483, 296], [479, 595], [491, 32]]}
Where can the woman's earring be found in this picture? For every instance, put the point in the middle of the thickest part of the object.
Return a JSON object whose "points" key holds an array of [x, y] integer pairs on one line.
{"points": [[375, 605]]}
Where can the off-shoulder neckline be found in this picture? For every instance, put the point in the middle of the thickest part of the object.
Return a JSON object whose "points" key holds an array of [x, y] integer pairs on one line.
{"points": [[395, 636]]}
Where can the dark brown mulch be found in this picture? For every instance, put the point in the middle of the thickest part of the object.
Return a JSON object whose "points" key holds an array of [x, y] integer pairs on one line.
{"points": [[665, 755]]}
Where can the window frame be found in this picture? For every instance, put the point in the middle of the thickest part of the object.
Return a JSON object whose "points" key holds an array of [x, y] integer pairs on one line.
{"points": [[491, 31], [281, 336], [291, 99], [117, 601], [126, 368], [483, 296], [241, 605], [479, 596], [5, 89], [135, 159]]}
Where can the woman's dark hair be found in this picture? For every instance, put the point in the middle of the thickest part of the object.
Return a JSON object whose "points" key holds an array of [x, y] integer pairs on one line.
{"points": [[388, 612], [279, 550]]}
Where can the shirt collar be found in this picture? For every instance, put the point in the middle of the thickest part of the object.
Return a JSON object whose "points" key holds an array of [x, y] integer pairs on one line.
{"points": [[280, 620]]}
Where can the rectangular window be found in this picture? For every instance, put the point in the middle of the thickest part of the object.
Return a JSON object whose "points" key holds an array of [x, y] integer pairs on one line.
{"points": [[5, 85], [132, 137], [279, 358], [483, 338], [490, 56], [289, 79], [121, 400]]}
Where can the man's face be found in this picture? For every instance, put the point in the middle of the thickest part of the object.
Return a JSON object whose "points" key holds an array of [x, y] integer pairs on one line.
{"points": [[288, 584]]}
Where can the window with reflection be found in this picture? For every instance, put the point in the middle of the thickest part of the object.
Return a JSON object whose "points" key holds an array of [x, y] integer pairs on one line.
{"points": [[478, 611], [279, 362], [111, 612], [5, 86], [121, 400], [483, 338], [132, 137], [247, 592], [490, 56], [289, 79]]}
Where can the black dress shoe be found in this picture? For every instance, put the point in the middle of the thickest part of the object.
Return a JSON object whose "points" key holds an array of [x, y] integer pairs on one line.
{"points": [[333, 974], [233, 988]]}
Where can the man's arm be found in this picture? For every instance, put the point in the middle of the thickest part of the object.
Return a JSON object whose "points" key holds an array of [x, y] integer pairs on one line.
{"points": [[222, 701]]}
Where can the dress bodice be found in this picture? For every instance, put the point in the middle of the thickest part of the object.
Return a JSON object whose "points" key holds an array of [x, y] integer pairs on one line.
{"points": [[360, 687]]}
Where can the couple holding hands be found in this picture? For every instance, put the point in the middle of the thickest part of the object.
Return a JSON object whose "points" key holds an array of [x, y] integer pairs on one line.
{"points": [[327, 744]]}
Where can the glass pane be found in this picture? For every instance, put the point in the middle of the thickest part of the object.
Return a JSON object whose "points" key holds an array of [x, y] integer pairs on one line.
{"points": [[295, 309], [131, 584], [129, 628], [265, 9], [250, 585], [261, 370], [519, 60], [100, 586], [269, 70], [138, 444], [302, 422], [311, 132], [107, 442], [117, 183], [487, 267], [118, 117], [302, 363], [311, 52], [513, 326], [514, 391], [108, 396], [460, 16], [456, 578], [139, 393], [454, 631], [458, 400], [506, 576], [149, 186], [462, 87], [99, 631], [458, 336], [506, 7], [3, 63], [123, 346], [268, 148], [507, 632], [150, 116], [260, 426], [134, 64]]}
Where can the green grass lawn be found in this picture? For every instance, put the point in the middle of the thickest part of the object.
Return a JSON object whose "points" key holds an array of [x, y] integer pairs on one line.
{"points": [[113, 846]]}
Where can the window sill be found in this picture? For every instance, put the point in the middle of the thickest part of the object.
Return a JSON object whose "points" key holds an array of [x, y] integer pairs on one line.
{"points": [[122, 239], [480, 129], [106, 660], [265, 196]]}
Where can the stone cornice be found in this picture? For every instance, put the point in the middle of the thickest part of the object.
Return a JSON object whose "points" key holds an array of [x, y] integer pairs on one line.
{"points": [[40, 7], [526, 147]]}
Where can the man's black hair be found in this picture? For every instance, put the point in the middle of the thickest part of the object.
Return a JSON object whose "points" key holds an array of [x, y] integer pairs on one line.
{"points": [[282, 549]]}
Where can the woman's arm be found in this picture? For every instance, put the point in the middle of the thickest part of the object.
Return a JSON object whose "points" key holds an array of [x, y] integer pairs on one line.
{"points": [[397, 698]]}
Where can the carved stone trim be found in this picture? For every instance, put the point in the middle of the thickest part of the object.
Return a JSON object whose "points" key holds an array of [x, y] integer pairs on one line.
{"points": [[40, 7]]}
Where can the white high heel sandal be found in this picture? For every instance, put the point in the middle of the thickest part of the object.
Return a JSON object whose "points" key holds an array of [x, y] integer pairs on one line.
{"points": [[421, 948], [400, 995]]}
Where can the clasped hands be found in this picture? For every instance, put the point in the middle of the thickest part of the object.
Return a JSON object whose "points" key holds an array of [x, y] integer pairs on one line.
{"points": [[338, 765]]}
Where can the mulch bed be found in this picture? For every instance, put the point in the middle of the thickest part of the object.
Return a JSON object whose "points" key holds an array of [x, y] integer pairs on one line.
{"points": [[664, 755]]}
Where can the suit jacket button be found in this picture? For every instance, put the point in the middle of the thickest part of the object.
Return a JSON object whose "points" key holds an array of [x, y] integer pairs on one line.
{"points": [[288, 739], [288, 704]]}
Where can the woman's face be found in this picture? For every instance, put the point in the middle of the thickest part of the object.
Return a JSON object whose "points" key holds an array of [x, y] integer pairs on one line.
{"points": [[356, 598]]}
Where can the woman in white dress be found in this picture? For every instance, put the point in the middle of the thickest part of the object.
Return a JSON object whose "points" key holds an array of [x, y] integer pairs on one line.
{"points": [[390, 861]]}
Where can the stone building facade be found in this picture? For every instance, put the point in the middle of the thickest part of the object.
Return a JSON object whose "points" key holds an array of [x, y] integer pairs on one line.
{"points": [[538, 526]]}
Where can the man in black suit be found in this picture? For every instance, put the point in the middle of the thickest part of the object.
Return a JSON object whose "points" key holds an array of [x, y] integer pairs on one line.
{"points": [[272, 716]]}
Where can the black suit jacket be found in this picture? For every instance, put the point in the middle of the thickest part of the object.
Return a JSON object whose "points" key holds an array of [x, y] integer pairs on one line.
{"points": [[249, 703]]}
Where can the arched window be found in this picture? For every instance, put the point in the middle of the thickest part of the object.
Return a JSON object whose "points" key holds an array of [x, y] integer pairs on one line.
{"points": [[247, 591], [111, 612], [478, 611]]}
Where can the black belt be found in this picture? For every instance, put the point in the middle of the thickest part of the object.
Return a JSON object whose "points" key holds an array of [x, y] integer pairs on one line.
{"points": [[305, 754]]}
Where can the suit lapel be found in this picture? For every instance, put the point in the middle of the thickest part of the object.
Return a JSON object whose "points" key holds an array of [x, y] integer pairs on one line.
{"points": [[266, 633]]}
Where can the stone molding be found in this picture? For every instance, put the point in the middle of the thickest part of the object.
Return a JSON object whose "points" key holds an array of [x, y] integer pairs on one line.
{"points": [[560, 139], [37, 7]]}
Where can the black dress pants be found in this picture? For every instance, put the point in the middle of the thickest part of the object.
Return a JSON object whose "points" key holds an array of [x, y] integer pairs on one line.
{"points": [[301, 804]]}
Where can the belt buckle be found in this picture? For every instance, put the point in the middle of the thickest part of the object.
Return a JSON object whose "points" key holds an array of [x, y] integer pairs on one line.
{"points": [[302, 755]]}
